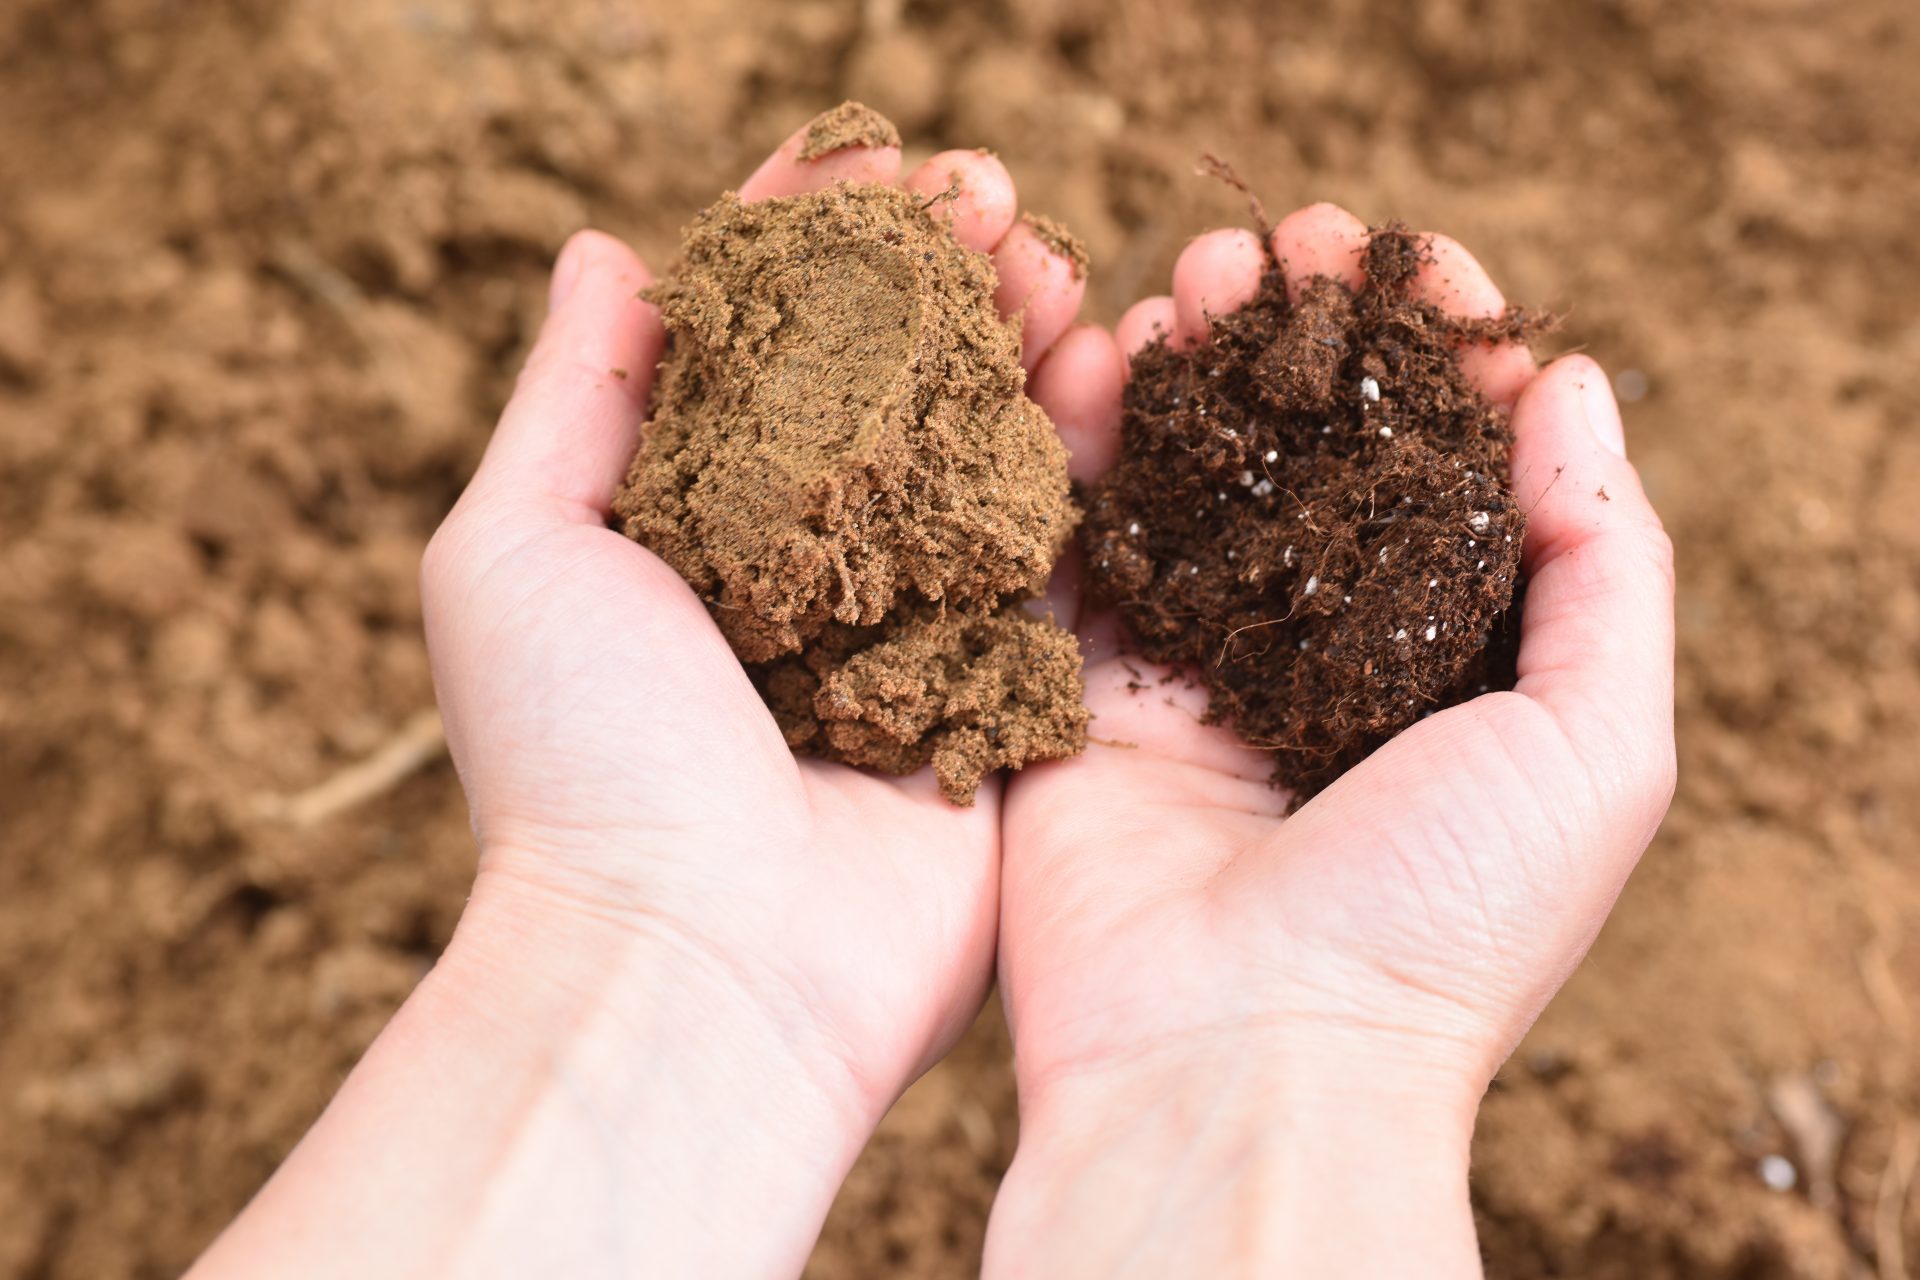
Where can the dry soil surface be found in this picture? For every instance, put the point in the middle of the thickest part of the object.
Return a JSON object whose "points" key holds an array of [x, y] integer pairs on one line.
{"points": [[266, 271]]}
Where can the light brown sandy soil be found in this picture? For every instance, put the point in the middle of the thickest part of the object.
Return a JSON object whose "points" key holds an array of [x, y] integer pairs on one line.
{"points": [[264, 278]]}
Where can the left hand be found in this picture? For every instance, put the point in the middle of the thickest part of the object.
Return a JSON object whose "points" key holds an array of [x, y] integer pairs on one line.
{"points": [[733, 960]]}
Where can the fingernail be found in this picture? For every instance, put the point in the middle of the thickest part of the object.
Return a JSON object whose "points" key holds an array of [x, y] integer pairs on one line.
{"points": [[1602, 410], [566, 272]]}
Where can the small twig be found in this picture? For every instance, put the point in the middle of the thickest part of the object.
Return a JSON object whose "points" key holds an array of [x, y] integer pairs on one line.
{"points": [[418, 742], [1234, 634], [1212, 166], [1541, 497], [951, 194], [308, 272]]}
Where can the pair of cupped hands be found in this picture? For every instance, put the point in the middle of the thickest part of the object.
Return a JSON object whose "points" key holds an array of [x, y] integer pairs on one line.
{"points": [[696, 970]]}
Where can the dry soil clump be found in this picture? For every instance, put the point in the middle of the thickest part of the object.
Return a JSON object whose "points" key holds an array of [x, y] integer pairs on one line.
{"points": [[1311, 510], [843, 462]]}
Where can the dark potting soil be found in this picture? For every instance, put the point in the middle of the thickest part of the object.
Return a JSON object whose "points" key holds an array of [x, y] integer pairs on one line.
{"points": [[1311, 512]]}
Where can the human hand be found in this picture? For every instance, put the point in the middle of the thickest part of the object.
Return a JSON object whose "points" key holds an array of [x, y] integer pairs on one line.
{"points": [[695, 970], [1245, 1042]]}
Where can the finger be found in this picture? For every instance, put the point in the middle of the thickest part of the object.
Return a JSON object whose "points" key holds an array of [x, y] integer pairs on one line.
{"points": [[567, 437], [1321, 240], [1596, 644], [868, 150], [980, 209], [1066, 586], [1216, 273], [1145, 322], [1456, 283], [1079, 384], [1043, 277]]}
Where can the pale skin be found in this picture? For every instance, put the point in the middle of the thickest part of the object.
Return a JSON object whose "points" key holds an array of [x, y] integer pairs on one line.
{"points": [[695, 971]]}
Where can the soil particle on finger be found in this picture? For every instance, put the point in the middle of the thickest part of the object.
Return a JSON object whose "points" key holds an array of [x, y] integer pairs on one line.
{"points": [[1062, 241], [851, 124], [843, 463], [1312, 512]]}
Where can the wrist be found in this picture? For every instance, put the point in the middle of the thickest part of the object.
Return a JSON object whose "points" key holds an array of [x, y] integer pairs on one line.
{"points": [[564, 1094], [714, 1124], [1337, 1163], [654, 990]]}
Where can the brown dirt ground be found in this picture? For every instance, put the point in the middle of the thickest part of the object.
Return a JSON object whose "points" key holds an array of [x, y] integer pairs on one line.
{"points": [[266, 271]]}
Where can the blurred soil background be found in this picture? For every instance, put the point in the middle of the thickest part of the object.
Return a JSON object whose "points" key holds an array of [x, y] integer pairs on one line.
{"points": [[267, 268]]}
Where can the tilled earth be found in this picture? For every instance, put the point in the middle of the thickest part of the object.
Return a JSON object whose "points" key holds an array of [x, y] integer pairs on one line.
{"points": [[266, 272]]}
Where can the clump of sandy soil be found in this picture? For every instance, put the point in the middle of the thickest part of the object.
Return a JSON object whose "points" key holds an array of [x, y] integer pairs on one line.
{"points": [[843, 462]]}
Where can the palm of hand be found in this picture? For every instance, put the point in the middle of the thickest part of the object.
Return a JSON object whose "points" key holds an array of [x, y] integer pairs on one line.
{"points": [[661, 791], [617, 756], [1428, 903]]}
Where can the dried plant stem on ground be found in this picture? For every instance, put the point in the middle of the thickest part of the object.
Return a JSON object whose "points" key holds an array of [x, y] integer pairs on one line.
{"points": [[419, 741]]}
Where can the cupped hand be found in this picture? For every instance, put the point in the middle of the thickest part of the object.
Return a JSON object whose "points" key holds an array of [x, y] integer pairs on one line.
{"points": [[1351, 976], [623, 773]]}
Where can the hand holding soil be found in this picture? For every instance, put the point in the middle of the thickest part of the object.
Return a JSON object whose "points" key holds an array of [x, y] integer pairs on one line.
{"points": [[748, 956], [1301, 1015], [714, 964]]}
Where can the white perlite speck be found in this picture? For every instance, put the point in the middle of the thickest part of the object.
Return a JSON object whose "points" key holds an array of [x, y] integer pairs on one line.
{"points": [[1313, 585], [1246, 479], [1273, 455], [1386, 433], [1133, 529], [1263, 488], [1480, 522], [1370, 388], [1778, 1173], [1432, 632]]}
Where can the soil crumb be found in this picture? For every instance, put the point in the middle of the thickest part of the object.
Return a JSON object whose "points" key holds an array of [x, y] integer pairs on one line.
{"points": [[843, 462], [1311, 510], [851, 124], [1062, 241]]}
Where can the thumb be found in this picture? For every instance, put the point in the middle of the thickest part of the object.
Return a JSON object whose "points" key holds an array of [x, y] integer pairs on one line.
{"points": [[567, 437]]}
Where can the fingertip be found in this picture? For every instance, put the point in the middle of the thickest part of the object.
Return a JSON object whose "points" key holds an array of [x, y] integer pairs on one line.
{"points": [[1321, 240], [1040, 285], [1569, 453], [982, 204], [604, 252], [1216, 274], [793, 169], [1145, 322], [596, 307], [1079, 385], [568, 433], [1573, 390]]}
